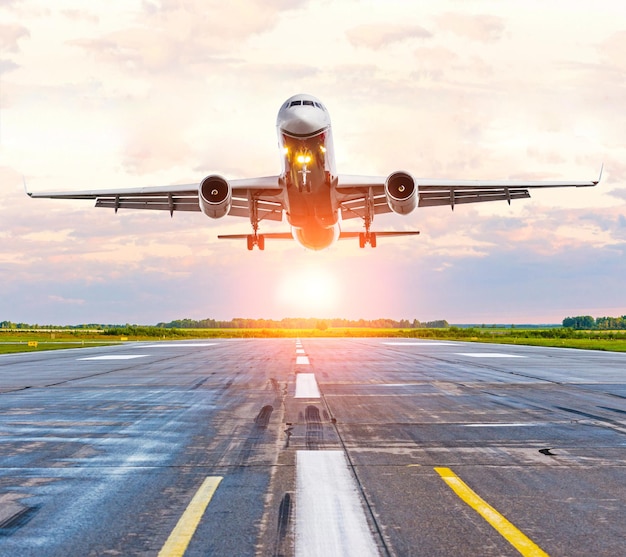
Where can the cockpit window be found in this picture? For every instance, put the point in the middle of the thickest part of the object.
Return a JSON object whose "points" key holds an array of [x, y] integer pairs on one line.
{"points": [[305, 103]]}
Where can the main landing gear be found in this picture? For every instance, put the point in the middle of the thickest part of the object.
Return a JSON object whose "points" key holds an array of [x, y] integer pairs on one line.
{"points": [[256, 240], [367, 238]]}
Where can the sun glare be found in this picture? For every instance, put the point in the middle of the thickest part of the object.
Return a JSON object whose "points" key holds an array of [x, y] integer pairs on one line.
{"points": [[309, 292]]}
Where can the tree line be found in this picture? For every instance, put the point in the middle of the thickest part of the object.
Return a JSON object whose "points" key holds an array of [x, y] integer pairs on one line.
{"points": [[300, 323], [602, 323]]}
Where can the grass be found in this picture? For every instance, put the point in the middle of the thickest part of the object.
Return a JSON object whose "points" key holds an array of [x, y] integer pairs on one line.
{"points": [[17, 341]]}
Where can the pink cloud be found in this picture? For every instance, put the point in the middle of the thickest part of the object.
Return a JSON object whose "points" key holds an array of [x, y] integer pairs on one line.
{"points": [[10, 35], [179, 36], [483, 28], [383, 34]]}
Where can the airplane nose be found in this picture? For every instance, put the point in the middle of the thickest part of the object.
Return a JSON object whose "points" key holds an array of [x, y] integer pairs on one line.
{"points": [[303, 124]]}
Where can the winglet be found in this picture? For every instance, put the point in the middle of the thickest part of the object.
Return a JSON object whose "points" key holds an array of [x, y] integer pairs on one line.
{"points": [[599, 177], [28, 193]]}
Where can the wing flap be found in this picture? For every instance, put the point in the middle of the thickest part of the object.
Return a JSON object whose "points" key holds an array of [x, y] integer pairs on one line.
{"points": [[357, 208], [151, 202], [451, 196], [265, 209]]}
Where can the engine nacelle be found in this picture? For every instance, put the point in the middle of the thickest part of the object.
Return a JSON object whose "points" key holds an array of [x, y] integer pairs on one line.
{"points": [[401, 192], [215, 196]]}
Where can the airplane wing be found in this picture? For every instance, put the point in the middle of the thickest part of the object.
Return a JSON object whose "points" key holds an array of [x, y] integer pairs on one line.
{"points": [[266, 191], [355, 192]]}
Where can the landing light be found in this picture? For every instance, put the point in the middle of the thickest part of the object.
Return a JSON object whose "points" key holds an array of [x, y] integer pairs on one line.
{"points": [[322, 149], [304, 159]]}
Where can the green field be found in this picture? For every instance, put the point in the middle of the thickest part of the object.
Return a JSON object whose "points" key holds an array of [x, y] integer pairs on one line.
{"points": [[18, 341]]}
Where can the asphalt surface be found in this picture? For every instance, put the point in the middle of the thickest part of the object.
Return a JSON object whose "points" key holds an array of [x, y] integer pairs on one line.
{"points": [[103, 456]]}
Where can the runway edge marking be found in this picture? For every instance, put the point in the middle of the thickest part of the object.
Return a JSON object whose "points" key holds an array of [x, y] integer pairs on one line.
{"points": [[506, 529], [181, 535]]}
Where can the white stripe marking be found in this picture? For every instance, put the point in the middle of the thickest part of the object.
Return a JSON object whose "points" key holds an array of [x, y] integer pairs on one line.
{"points": [[299, 350], [177, 345], [330, 519], [505, 425], [302, 360], [306, 386], [116, 357], [425, 343], [488, 355]]}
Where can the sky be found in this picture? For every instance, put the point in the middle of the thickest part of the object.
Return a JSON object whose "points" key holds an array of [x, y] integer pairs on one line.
{"points": [[134, 93]]}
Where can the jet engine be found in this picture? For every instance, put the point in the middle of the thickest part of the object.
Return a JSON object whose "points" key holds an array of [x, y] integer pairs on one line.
{"points": [[214, 196], [401, 193]]}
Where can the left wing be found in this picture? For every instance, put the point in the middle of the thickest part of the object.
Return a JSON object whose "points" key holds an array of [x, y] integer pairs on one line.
{"points": [[251, 194], [357, 194]]}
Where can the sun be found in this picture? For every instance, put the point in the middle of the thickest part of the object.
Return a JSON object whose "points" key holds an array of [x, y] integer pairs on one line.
{"points": [[308, 292]]}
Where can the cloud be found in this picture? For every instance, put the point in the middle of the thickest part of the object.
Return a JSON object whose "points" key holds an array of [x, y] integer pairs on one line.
{"points": [[7, 66], [620, 193], [482, 28], [384, 34], [9, 3], [62, 300], [614, 50], [80, 15], [172, 36], [10, 36]]}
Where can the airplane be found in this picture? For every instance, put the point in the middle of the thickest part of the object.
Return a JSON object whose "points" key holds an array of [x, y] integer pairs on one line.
{"points": [[309, 192]]}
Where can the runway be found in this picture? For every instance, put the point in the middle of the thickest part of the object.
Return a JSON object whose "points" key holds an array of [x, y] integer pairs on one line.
{"points": [[278, 447]]}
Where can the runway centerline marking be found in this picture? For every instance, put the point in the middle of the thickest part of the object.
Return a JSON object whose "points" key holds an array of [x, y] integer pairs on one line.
{"points": [[306, 386], [302, 360], [330, 519], [300, 351], [488, 355], [506, 529], [181, 535], [115, 357]]}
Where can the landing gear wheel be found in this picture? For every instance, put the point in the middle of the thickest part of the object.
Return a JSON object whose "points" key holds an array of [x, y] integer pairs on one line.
{"points": [[361, 240], [373, 239], [261, 242], [250, 242]]}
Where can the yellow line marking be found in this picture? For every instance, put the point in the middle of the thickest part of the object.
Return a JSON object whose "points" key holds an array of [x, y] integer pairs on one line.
{"points": [[506, 529], [181, 535]]}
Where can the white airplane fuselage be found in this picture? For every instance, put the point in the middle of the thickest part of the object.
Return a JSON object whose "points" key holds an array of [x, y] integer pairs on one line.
{"points": [[308, 170]]}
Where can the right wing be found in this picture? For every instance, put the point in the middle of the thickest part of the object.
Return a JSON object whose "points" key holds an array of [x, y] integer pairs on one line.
{"points": [[457, 192], [356, 192]]}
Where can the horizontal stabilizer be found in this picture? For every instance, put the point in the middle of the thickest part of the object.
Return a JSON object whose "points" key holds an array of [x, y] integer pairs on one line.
{"points": [[266, 235], [346, 235]]}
